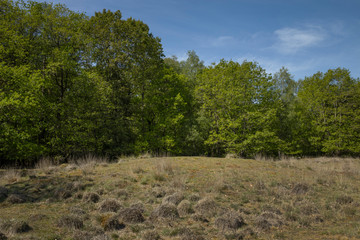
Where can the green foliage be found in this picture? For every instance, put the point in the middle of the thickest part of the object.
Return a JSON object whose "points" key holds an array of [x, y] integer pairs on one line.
{"points": [[240, 102], [330, 104], [72, 85]]}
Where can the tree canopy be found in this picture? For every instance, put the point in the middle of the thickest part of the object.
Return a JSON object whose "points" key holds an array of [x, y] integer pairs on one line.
{"points": [[71, 84]]}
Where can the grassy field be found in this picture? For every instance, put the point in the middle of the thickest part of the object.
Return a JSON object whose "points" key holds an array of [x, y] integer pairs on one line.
{"points": [[183, 198]]}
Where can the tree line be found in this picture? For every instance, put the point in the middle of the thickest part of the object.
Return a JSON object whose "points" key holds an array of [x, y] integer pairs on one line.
{"points": [[71, 84]]}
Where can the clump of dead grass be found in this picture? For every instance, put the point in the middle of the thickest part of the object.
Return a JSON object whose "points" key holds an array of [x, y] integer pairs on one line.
{"points": [[301, 188], [45, 164], [194, 197], [109, 205], [168, 211], [164, 166], [131, 215], [71, 222], [185, 208], [3, 236], [342, 200], [11, 175], [14, 226], [268, 220], [175, 198], [229, 221], [207, 207], [16, 198], [3, 193], [158, 192], [112, 223], [151, 235], [91, 197], [88, 163]]}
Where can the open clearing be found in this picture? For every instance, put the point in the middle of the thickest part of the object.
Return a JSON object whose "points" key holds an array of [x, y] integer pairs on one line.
{"points": [[183, 198]]}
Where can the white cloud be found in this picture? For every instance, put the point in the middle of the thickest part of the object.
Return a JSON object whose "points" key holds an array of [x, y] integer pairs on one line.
{"points": [[292, 40]]}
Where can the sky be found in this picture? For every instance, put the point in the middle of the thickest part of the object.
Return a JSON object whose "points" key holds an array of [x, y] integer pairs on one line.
{"points": [[305, 36]]}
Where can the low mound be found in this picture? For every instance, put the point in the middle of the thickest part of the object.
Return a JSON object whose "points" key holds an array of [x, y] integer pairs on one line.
{"points": [[71, 222], [175, 198], [131, 215], [109, 205], [167, 210], [91, 197], [229, 221], [207, 207]]}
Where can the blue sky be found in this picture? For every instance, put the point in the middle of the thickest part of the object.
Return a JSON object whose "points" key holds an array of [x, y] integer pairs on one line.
{"points": [[306, 36]]}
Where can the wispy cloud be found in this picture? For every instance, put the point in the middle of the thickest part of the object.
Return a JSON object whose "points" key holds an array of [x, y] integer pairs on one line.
{"points": [[292, 40], [222, 41]]}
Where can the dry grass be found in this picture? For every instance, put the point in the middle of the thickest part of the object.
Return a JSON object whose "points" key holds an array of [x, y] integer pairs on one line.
{"points": [[11, 176], [185, 198], [45, 163]]}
